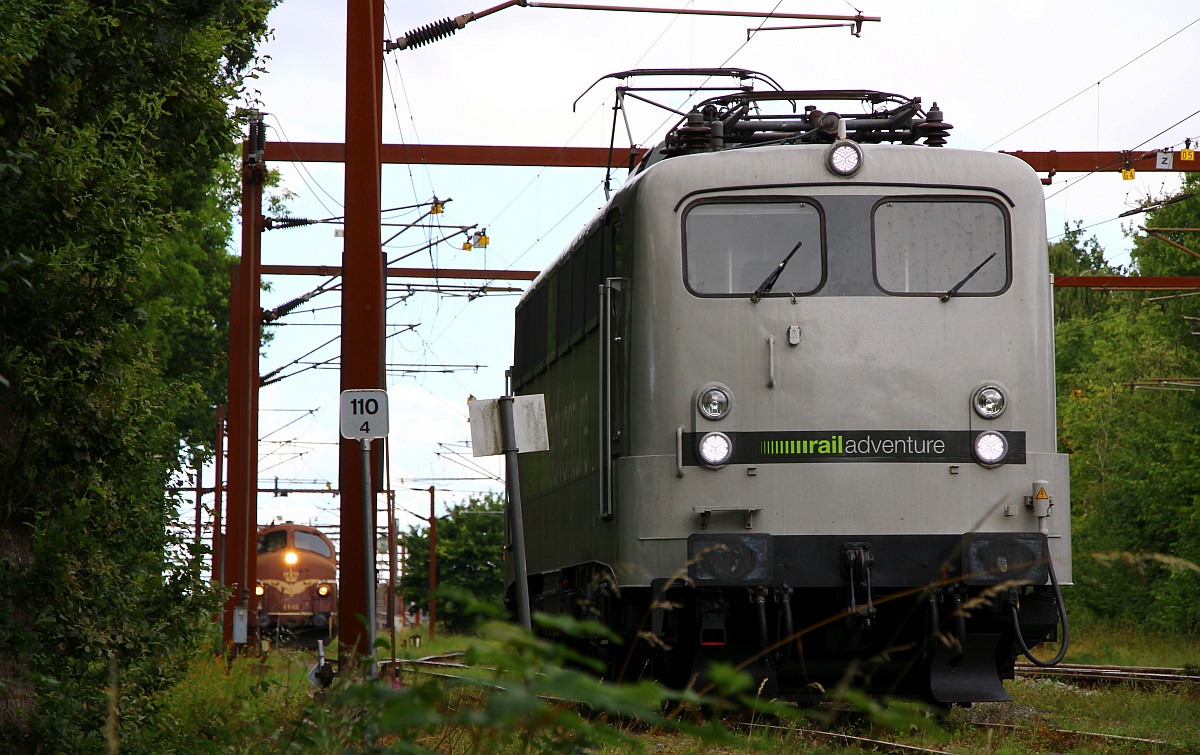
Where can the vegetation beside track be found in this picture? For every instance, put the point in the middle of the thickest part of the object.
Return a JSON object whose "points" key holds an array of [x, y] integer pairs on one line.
{"points": [[118, 188], [517, 699]]}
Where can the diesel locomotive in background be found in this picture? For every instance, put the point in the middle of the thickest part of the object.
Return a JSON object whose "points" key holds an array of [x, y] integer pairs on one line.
{"points": [[799, 375], [297, 578]]}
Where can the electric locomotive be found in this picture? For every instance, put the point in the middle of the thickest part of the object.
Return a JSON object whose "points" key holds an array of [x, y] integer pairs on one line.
{"points": [[297, 578], [799, 379]]}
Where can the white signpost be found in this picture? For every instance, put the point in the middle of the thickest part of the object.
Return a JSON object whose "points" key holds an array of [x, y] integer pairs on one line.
{"points": [[529, 425], [511, 425], [364, 417], [364, 414]]}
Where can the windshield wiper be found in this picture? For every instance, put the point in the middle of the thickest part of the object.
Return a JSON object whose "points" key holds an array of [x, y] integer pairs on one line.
{"points": [[946, 296], [765, 286]]}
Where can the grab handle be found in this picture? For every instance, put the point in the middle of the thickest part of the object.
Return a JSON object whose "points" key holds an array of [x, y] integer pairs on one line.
{"points": [[770, 361], [679, 451]]}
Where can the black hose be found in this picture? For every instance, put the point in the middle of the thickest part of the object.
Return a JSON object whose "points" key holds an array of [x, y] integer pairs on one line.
{"points": [[787, 624], [960, 623], [935, 619], [1062, 614], [762, 621]]}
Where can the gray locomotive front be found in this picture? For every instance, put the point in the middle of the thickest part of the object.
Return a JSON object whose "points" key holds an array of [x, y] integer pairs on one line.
{"points": [[819, 393]]}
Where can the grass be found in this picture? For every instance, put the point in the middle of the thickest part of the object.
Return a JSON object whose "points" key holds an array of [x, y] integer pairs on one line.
{"points": [[1097, 642], [267, 705], [222, 703]]}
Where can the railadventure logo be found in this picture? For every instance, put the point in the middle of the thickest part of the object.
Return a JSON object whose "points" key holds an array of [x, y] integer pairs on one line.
{"points": [[911, 446]]}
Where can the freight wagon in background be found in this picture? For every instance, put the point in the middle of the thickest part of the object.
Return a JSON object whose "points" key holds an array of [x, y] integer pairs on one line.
{"points": [[799, 375], [297, 578]]}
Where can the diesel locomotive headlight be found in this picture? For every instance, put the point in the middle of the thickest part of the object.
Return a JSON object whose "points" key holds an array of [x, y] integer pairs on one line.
{"points": [[715, 449], [844, 158], [989, 401], [714, 403], [990, 448], [290, 558], [260, 590], [323, 590]]}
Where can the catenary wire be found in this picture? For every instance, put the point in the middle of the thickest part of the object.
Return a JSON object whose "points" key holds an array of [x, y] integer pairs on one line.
{"points": [[1098, 83], [1115, 161], [315, 185]]}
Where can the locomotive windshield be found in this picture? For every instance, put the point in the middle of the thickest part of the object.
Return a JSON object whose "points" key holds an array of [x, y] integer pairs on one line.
{"points": [[272, 541], [732, 247], [928, 246], [307, 541]]}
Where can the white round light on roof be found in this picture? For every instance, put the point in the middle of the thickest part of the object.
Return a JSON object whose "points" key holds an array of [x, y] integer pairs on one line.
{"points": [[990, 448], [715, 449], [844, 158]]}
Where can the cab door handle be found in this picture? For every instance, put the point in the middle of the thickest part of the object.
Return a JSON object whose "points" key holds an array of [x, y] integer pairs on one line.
{"points": [[770, 361]]}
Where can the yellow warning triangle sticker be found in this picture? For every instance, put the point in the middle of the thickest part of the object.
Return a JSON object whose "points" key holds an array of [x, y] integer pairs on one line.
{"points": [[1042, 494]]}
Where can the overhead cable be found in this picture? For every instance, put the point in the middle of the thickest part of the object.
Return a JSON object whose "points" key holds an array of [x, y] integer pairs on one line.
{"points": [[1092, 86]]}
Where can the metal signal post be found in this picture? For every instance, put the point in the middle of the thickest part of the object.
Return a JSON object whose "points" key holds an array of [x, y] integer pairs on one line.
{"points": [[362, 294], [364, 416]]}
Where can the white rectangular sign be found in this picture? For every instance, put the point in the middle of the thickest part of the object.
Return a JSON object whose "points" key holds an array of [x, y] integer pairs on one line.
{"points": [[364, 414], [529, 415]]}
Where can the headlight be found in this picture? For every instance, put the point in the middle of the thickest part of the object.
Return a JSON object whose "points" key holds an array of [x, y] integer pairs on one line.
{"points": [[290, 558], [323, 590], [844, 158], [989, 401], [714, 403], [259, 590], [715, 449], [990, 448]]}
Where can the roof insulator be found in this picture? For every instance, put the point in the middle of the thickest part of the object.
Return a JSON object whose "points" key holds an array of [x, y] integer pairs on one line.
{"points": [[934, 130]]}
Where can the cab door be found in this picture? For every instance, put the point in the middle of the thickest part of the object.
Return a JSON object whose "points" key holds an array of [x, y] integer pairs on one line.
{"points": [[614, 363]]}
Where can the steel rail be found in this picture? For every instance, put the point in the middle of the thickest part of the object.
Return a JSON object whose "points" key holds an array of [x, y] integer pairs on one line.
{"points": [[1074, 733], [877, 745], [1111, 674]]}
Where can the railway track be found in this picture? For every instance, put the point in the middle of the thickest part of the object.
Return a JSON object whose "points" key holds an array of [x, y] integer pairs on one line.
{"points": [[444, 665], [1073, 671], [1085, 673], [1052, 737]]}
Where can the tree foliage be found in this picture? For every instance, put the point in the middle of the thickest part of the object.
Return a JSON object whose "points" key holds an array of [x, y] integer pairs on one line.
{"points": [[1129, 425], [115, 139], [470, 560]]}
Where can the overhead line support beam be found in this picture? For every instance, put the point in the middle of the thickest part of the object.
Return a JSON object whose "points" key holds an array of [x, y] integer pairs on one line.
{"points": [[407, 272], [1129, 282], [451, 154], [1051, 161]]}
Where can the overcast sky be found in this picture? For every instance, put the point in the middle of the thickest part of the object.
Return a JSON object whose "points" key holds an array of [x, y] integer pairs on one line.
{"points": [[1103, 76]]}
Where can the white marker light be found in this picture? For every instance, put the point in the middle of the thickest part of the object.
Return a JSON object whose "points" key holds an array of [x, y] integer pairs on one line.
{"points": [[845, 158], [715, 449], [990, 448]]}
